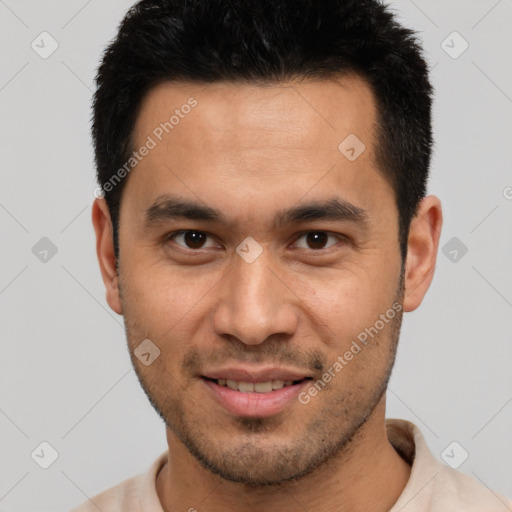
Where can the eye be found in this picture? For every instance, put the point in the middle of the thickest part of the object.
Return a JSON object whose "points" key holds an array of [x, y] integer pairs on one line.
{"points": [[190, 239], [317, 240]]}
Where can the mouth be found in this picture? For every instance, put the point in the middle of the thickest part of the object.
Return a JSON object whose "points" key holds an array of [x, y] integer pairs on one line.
{"points": [[256, 387], [260, 398]]}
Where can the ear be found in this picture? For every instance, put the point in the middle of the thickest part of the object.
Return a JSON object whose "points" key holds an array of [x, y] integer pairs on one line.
{"points": [[423, 242], [105, 251]]}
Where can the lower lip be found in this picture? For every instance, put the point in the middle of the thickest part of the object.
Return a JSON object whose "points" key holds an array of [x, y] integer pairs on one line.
{"points": [[253, 404]]}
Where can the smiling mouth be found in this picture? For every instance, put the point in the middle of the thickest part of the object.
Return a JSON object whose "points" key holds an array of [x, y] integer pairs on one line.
{"points": [[256, 387]]}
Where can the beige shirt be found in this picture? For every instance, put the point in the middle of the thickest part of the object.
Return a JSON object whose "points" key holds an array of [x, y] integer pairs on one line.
{"points": [[432, 486]]}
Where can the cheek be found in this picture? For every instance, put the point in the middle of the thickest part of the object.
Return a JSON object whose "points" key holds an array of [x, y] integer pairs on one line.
{"points": [[346, 301], [162, 299]]}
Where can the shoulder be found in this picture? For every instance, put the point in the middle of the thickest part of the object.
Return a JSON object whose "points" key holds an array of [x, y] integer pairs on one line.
{"points": [[464, 491], [135, 494], [121, 497], [433, 486]]}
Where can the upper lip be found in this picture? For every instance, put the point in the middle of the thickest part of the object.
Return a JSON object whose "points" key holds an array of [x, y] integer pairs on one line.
{"points": [[255, 375]]}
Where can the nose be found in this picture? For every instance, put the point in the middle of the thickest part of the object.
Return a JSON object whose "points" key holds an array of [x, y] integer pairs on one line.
{"points": [[255, 303]]}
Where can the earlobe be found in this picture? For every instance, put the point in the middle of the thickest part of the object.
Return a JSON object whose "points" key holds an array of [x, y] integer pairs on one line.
{"points": [[105, 251], [423, 243]]}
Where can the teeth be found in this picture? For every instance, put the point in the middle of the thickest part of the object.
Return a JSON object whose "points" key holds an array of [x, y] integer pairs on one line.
{"points": [[231, 384], [262, 387], [250, 387], [246, 387]]}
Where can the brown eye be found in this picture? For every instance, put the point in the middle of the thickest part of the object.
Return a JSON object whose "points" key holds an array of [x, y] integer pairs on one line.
{"points": [[317, 240], [190, 239]]}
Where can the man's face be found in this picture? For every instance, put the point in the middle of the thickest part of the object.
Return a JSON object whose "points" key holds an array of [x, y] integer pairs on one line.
{"points": [[288, 314]]}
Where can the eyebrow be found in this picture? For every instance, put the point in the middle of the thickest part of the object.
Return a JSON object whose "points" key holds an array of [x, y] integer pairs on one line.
{"points": [[172, 207]]}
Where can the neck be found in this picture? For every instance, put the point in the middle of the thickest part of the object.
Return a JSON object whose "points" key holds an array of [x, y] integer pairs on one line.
{"points": [[367, 474]]}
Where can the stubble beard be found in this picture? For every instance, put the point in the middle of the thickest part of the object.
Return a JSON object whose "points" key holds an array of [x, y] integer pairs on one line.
{"points": [[254, 459]]}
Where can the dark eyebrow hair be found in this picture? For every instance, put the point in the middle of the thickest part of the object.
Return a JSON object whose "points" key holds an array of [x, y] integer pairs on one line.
{"points": [[335, 209], [171, 207]]}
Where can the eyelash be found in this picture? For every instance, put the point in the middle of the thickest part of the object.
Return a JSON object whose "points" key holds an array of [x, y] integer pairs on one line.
{"points": [[340, 237]]}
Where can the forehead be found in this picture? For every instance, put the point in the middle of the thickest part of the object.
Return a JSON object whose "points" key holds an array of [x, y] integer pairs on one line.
{"points": [[232, 139], [288, 115]]}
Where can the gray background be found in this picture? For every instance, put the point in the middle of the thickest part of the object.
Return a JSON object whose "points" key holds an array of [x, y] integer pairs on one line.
{"points": [[65, 373]]}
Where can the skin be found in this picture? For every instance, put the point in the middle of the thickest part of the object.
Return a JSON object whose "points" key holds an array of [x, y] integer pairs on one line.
{"points": [[251, 151]]}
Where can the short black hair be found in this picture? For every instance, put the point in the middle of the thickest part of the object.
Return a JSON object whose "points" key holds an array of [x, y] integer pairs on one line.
{"points": [[270, 41]]}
